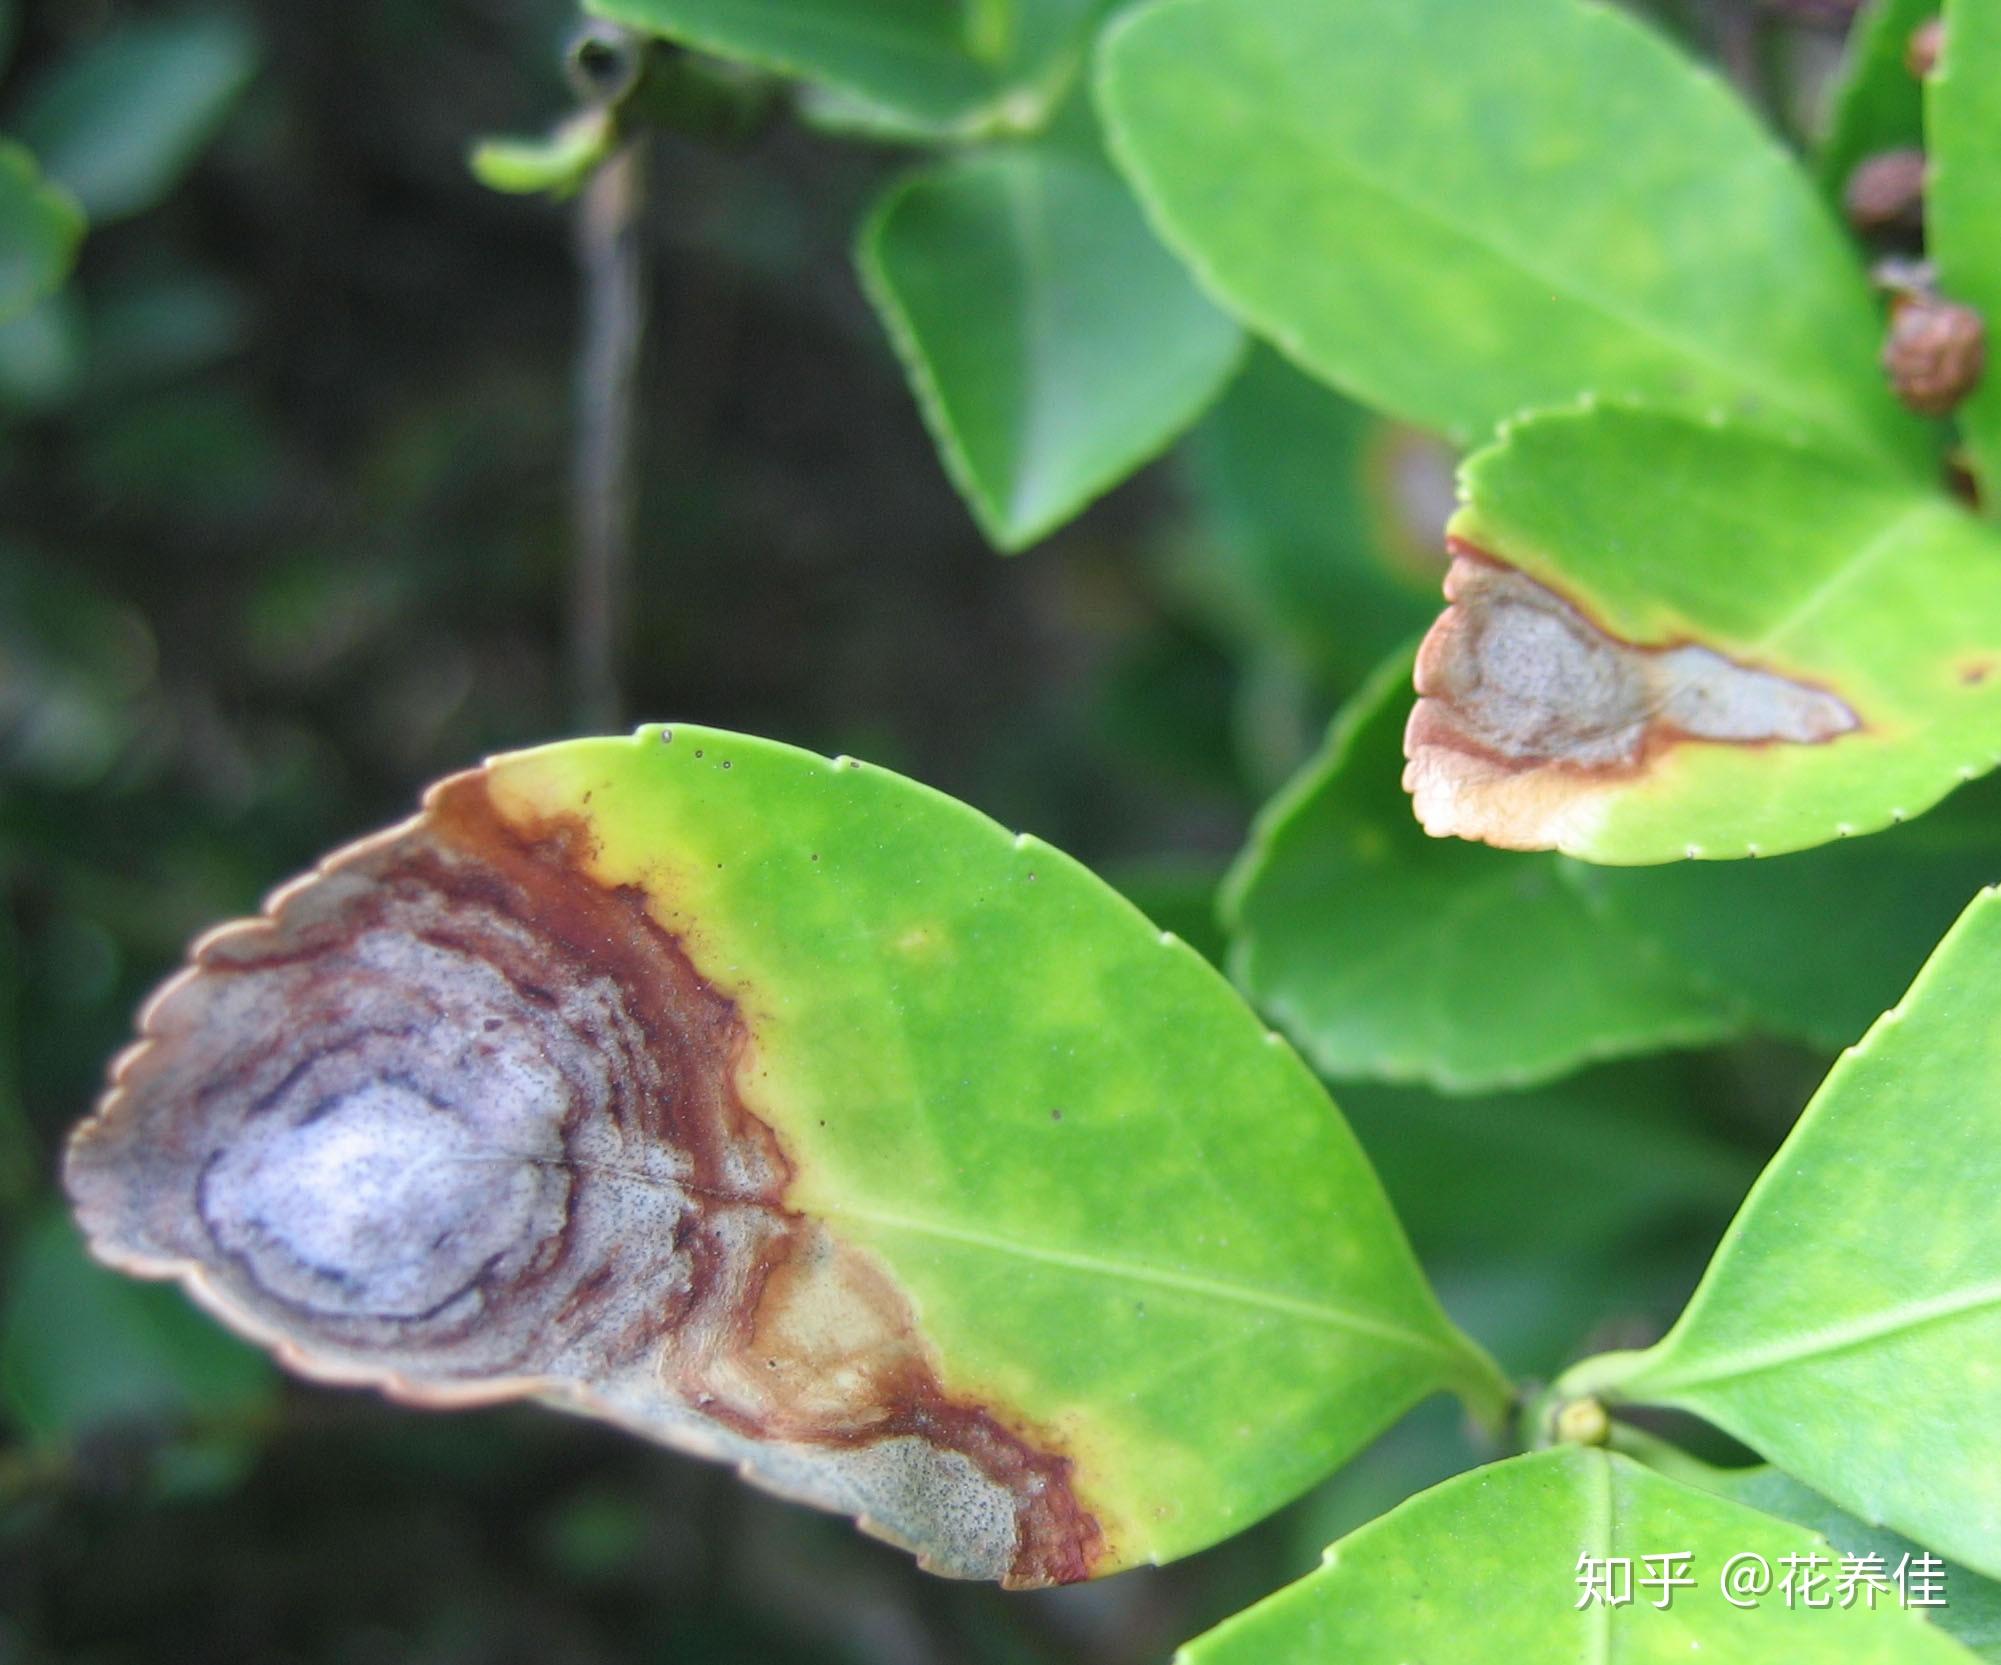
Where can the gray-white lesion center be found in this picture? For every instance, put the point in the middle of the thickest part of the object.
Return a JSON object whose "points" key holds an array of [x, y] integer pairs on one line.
{"points": [[419, 1145], [378, 1201], [1529, 677]]}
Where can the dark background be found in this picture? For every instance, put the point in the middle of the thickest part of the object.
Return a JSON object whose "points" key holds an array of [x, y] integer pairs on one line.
{"points": [[287, 538]]}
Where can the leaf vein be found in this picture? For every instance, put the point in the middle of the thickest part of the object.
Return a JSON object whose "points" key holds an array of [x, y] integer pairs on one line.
{"points": [[1835, 1338], [1361, 1323]]}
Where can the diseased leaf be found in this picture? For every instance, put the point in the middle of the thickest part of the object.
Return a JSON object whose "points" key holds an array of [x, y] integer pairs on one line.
{"points": [[1494, 1554], [1878, 104], [785, 1111], [1816, 944], [1327, 517], [1669, 638], [1847, 1328], [1454, 210], [1053, 344], [1386, 953], [39, 231], [119, 122], [1963, 207], [925, 66]]}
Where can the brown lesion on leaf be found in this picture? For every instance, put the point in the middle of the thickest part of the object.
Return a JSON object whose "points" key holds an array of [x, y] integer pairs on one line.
{"points": [[455, 1120], [1528, 709]]}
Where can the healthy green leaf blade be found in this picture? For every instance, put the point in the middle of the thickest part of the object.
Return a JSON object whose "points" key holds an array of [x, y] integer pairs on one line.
{"points": [[1004, 1207], [1494, 1554], [1878, 103], [1386, 953], [1054, 345], [1620, 225], [1847, 1328], [1671, 638], [936, 63], [1963, 206], [1760, 935], [39, 231], [119, 122]]}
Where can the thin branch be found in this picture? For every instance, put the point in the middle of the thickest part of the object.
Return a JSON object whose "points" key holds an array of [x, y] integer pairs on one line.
{"points": [[611, 258]]}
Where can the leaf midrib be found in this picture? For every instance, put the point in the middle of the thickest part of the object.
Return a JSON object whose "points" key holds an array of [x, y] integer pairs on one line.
{"points": [[1024, 189], [1601, 1528], [1890, 537], [1835, 1338], [1158, 1277], [1563, 283], [1361, 1323]]}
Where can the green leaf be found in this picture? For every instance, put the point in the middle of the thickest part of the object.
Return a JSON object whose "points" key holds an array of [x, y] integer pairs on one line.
{"points": [[1494, 1554], [120, 121], [156, 323], [82, 1349], [1847, 1328], [1761, 936], [1674, 638], [1878, 104], [1054, 345], [1454, 209], [42, 354], [1176, 892], [39, 231], [933, 66], [1578, 1168], [1326, 516], [1387, 953], [1425, 1449], [1972, 1612], [1546, 1215], [1963, 207], [1039, 1164]]}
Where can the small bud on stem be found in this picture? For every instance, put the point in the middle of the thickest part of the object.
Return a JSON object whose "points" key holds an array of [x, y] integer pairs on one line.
{"points": [[1935, 353], [1927, 41], [1886, 193]]}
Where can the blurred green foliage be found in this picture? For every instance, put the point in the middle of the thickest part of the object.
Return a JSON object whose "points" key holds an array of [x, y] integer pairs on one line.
{"points": [[283, 536]]}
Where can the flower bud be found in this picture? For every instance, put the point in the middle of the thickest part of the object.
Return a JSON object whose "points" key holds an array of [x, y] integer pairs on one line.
{"points": [[1935, 352]]}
